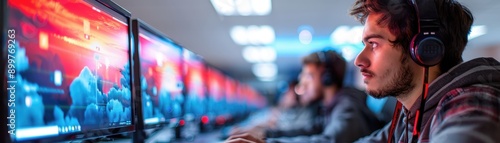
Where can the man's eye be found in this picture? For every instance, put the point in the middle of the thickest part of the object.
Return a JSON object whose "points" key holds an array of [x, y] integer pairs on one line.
{"points": [[373, 44]]}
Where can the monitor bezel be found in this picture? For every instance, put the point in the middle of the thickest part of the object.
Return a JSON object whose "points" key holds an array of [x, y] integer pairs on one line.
{"points": [[87, 134], [137, 25]]}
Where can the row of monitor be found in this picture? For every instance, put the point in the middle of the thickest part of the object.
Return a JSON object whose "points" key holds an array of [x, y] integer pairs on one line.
{"points": [[82, 69]]}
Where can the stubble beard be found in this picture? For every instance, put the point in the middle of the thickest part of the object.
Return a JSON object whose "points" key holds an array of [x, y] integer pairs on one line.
{"points": [[398, 84]]}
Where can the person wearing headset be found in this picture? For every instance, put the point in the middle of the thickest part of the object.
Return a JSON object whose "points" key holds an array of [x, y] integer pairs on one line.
{"points": [[413, 51], [344, 115], [289, 117]]}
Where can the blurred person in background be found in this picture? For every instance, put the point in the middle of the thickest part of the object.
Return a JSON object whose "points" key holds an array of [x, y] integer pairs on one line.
{"points": [[343, 114], [289, 115]]}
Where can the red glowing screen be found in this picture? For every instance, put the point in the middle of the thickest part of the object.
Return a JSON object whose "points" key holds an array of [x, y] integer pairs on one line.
{"points": [[231, 89], [195, 75], [160, 64], [161, 76], [72, 66], [215, 83]]}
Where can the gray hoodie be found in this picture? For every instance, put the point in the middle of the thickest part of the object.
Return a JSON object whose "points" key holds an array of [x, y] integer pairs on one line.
{"points": [[463, 107], [347, 119]]}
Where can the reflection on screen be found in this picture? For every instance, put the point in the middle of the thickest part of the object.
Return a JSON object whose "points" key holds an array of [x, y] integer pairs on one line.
{"points": [[161, 79], [71, 63]]}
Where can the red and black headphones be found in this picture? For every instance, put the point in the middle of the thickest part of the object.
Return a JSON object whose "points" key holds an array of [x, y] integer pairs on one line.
{"points": [[426, 49]]}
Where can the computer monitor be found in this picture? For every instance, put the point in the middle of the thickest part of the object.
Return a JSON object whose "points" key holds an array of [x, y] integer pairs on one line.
{"points": [[160, 70], [216, 95], [244, 98], [239, 101], [252, 99], [68, 74], [231, 89], [195, 105], [258, 101]]}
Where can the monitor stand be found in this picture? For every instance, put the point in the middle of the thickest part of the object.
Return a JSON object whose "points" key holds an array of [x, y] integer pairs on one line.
{"points": [[139, 136]]}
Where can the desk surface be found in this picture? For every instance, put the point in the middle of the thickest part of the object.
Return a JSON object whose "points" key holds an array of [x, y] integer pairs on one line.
{"points": [[165, 136]]}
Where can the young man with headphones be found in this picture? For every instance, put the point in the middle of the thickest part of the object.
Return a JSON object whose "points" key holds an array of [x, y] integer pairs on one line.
{"points": [[413, 51], [344, 115]]}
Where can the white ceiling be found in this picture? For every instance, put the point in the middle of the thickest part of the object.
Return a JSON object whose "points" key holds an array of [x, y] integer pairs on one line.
{"points": [[196, 26]]}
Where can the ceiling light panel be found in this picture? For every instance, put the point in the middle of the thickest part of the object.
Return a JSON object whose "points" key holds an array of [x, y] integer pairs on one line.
{"points": [[253, 35], [242, 7]]}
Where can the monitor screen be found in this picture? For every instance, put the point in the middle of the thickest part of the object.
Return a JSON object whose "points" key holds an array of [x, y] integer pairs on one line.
{"points": [[231, 87], [242, 96], [256, 100], [216, 99], [245, 94], [195, 87], [68, 69], [215, 86], [161, 76], [231, 91]]}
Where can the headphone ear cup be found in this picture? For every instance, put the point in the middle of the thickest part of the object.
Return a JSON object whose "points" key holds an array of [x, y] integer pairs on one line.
{"points": [[426, 50], [327, 79]]}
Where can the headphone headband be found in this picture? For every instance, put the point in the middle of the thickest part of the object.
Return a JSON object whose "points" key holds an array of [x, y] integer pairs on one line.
{"points": [[325, 59], [321, 56], [428, 20]]}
